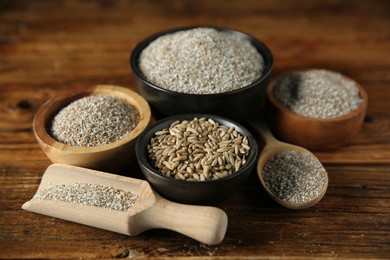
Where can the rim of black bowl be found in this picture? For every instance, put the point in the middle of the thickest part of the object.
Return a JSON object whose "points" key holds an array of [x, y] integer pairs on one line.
{"points": [[264, 51], [141, 143]]}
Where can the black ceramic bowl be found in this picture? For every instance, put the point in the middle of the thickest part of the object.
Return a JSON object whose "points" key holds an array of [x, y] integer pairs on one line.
{"points": [[236, 104], [194, 192]]}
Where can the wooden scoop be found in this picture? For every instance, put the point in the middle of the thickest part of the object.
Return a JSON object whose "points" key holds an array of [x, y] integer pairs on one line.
{"points": [[272, 148], [205, 224]]}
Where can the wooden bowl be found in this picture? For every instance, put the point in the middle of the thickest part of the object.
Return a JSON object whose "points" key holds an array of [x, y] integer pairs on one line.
{"points": [[315, 133], [110, 157]]}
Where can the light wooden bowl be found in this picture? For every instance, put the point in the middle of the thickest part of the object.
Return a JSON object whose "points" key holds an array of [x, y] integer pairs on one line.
{"points": [[314, 133], [109, 157]]}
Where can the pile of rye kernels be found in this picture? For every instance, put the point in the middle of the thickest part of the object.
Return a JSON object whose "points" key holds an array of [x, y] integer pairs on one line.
{"points": [[201, 61], [317, 93], [93, 121], [198, 150]]}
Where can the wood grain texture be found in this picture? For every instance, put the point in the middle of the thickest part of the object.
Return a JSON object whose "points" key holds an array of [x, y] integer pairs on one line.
{"points": [[49, 47]]}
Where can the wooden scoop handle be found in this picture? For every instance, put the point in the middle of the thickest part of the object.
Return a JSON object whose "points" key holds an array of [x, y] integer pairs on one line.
{"points": [[264, 131], [205, 224]]}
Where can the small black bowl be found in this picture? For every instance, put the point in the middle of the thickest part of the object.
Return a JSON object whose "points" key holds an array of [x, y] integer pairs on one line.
{"points": [[194, 192], [236, 104]]}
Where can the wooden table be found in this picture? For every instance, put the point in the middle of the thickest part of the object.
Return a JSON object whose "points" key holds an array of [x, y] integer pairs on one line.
{"points": [[47, 47]]}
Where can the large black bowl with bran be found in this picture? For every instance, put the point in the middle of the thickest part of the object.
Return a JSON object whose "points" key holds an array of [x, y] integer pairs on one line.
{"points": [[237, 104]]}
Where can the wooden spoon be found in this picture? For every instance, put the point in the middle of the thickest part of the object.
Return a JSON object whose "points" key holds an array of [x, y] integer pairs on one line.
{"points": [[272, 148], [205, 224]]}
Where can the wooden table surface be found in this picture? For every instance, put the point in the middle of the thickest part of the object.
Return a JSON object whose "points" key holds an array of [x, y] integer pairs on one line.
{"points": [[48, 47]]}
